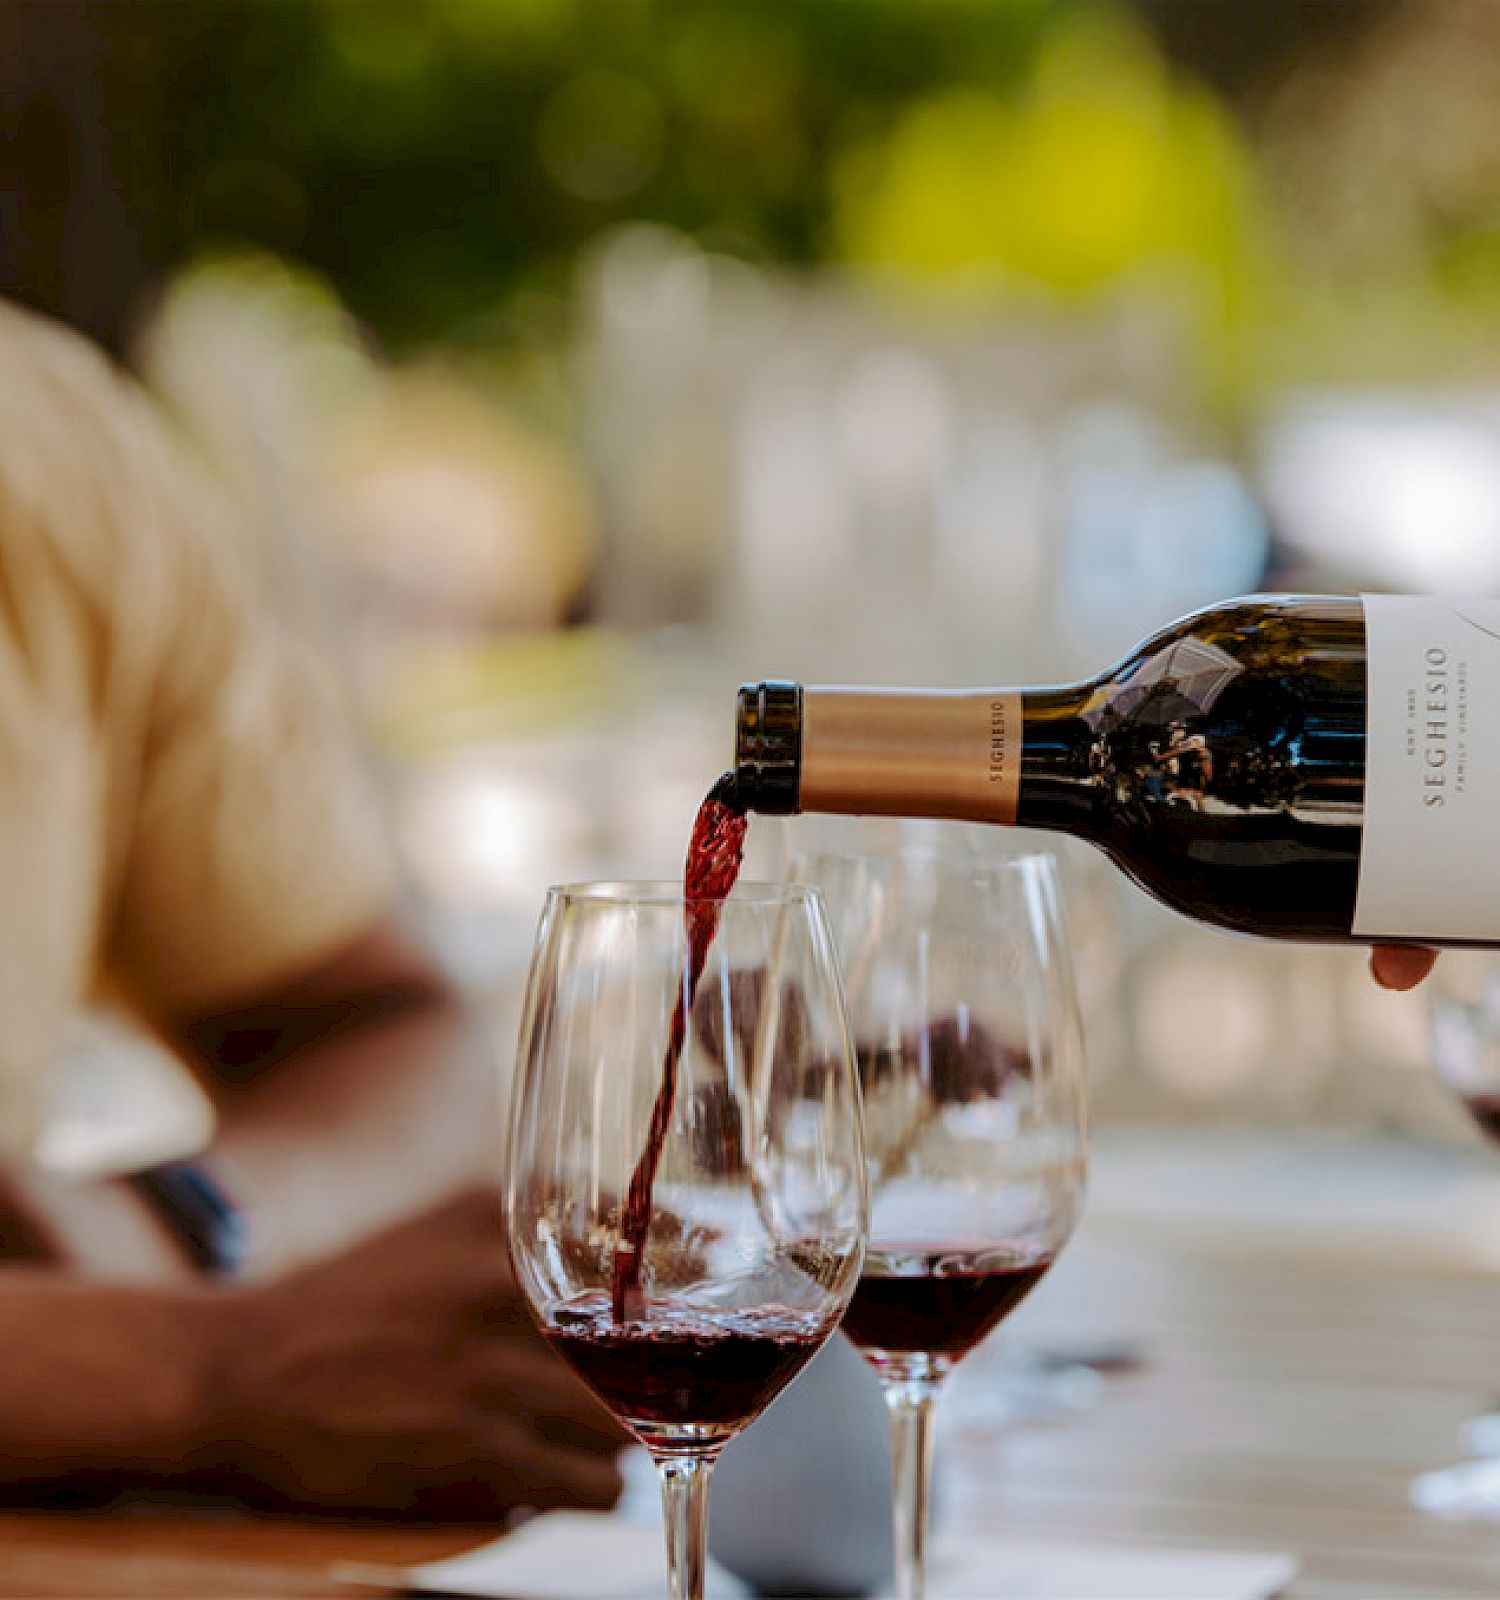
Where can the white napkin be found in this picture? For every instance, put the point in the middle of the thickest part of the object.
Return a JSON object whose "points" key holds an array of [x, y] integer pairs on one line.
{"points": [[580, 1555], [566, 1555], [1037, 1569]]}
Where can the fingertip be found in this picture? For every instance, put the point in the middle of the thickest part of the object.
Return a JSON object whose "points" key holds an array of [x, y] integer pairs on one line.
{"points": [[1400, 967]]}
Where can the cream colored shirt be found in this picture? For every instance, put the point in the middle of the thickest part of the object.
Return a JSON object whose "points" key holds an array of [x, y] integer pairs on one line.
{"points": [[182, 818]]}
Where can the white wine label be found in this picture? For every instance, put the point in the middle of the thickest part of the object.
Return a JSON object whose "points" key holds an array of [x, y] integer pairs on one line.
{"points": [[1429, 862]]}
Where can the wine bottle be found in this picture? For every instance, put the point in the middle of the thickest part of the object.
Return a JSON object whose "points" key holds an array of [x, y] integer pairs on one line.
{"points": [[1305, 767]]}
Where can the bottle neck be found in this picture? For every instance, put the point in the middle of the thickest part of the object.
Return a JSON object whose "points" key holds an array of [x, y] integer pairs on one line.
{"points": [[1059, 785], [990, 755]]}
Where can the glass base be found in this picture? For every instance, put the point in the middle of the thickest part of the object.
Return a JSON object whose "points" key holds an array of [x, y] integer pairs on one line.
{"points": [[1469, 1492]]}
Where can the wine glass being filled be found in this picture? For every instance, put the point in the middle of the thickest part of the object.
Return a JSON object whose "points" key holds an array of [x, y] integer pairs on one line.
{"points": [[969, 1052], [687, 1206]]}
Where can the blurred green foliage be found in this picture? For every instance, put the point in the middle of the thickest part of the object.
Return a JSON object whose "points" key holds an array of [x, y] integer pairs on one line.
{"points": [[1101, 169], [444, 162]]}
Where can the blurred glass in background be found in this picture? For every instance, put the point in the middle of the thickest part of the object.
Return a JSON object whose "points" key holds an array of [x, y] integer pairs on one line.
{"points": [[575, 361]]}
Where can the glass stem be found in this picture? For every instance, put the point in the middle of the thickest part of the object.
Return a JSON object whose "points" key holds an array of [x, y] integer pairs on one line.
{"points": [[912, 1404], [684, 1503]]}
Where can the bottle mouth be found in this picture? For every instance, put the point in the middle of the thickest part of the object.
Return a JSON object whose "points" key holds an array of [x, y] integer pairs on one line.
{"points": [[768, 747]]}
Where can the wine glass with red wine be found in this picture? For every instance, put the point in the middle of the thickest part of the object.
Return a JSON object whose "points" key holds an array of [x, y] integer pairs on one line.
{"points": [[686, 1206], [969, 1053], [1463, 1001]]}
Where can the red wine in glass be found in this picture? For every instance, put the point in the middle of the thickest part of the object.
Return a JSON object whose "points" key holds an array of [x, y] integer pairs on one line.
{"points": [[713, 1371], [713, 863], [936, 1302]]}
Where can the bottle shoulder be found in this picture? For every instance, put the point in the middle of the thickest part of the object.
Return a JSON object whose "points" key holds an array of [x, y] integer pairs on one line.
{"points": [[1259, 628], [1227, 758]]}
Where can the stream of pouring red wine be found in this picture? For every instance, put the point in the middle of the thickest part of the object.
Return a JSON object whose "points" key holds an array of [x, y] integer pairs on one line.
{"points": [[713, 864]]}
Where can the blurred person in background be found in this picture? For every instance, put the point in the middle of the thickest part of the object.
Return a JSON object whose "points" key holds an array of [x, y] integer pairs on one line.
{"points": [[187, 831]]}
